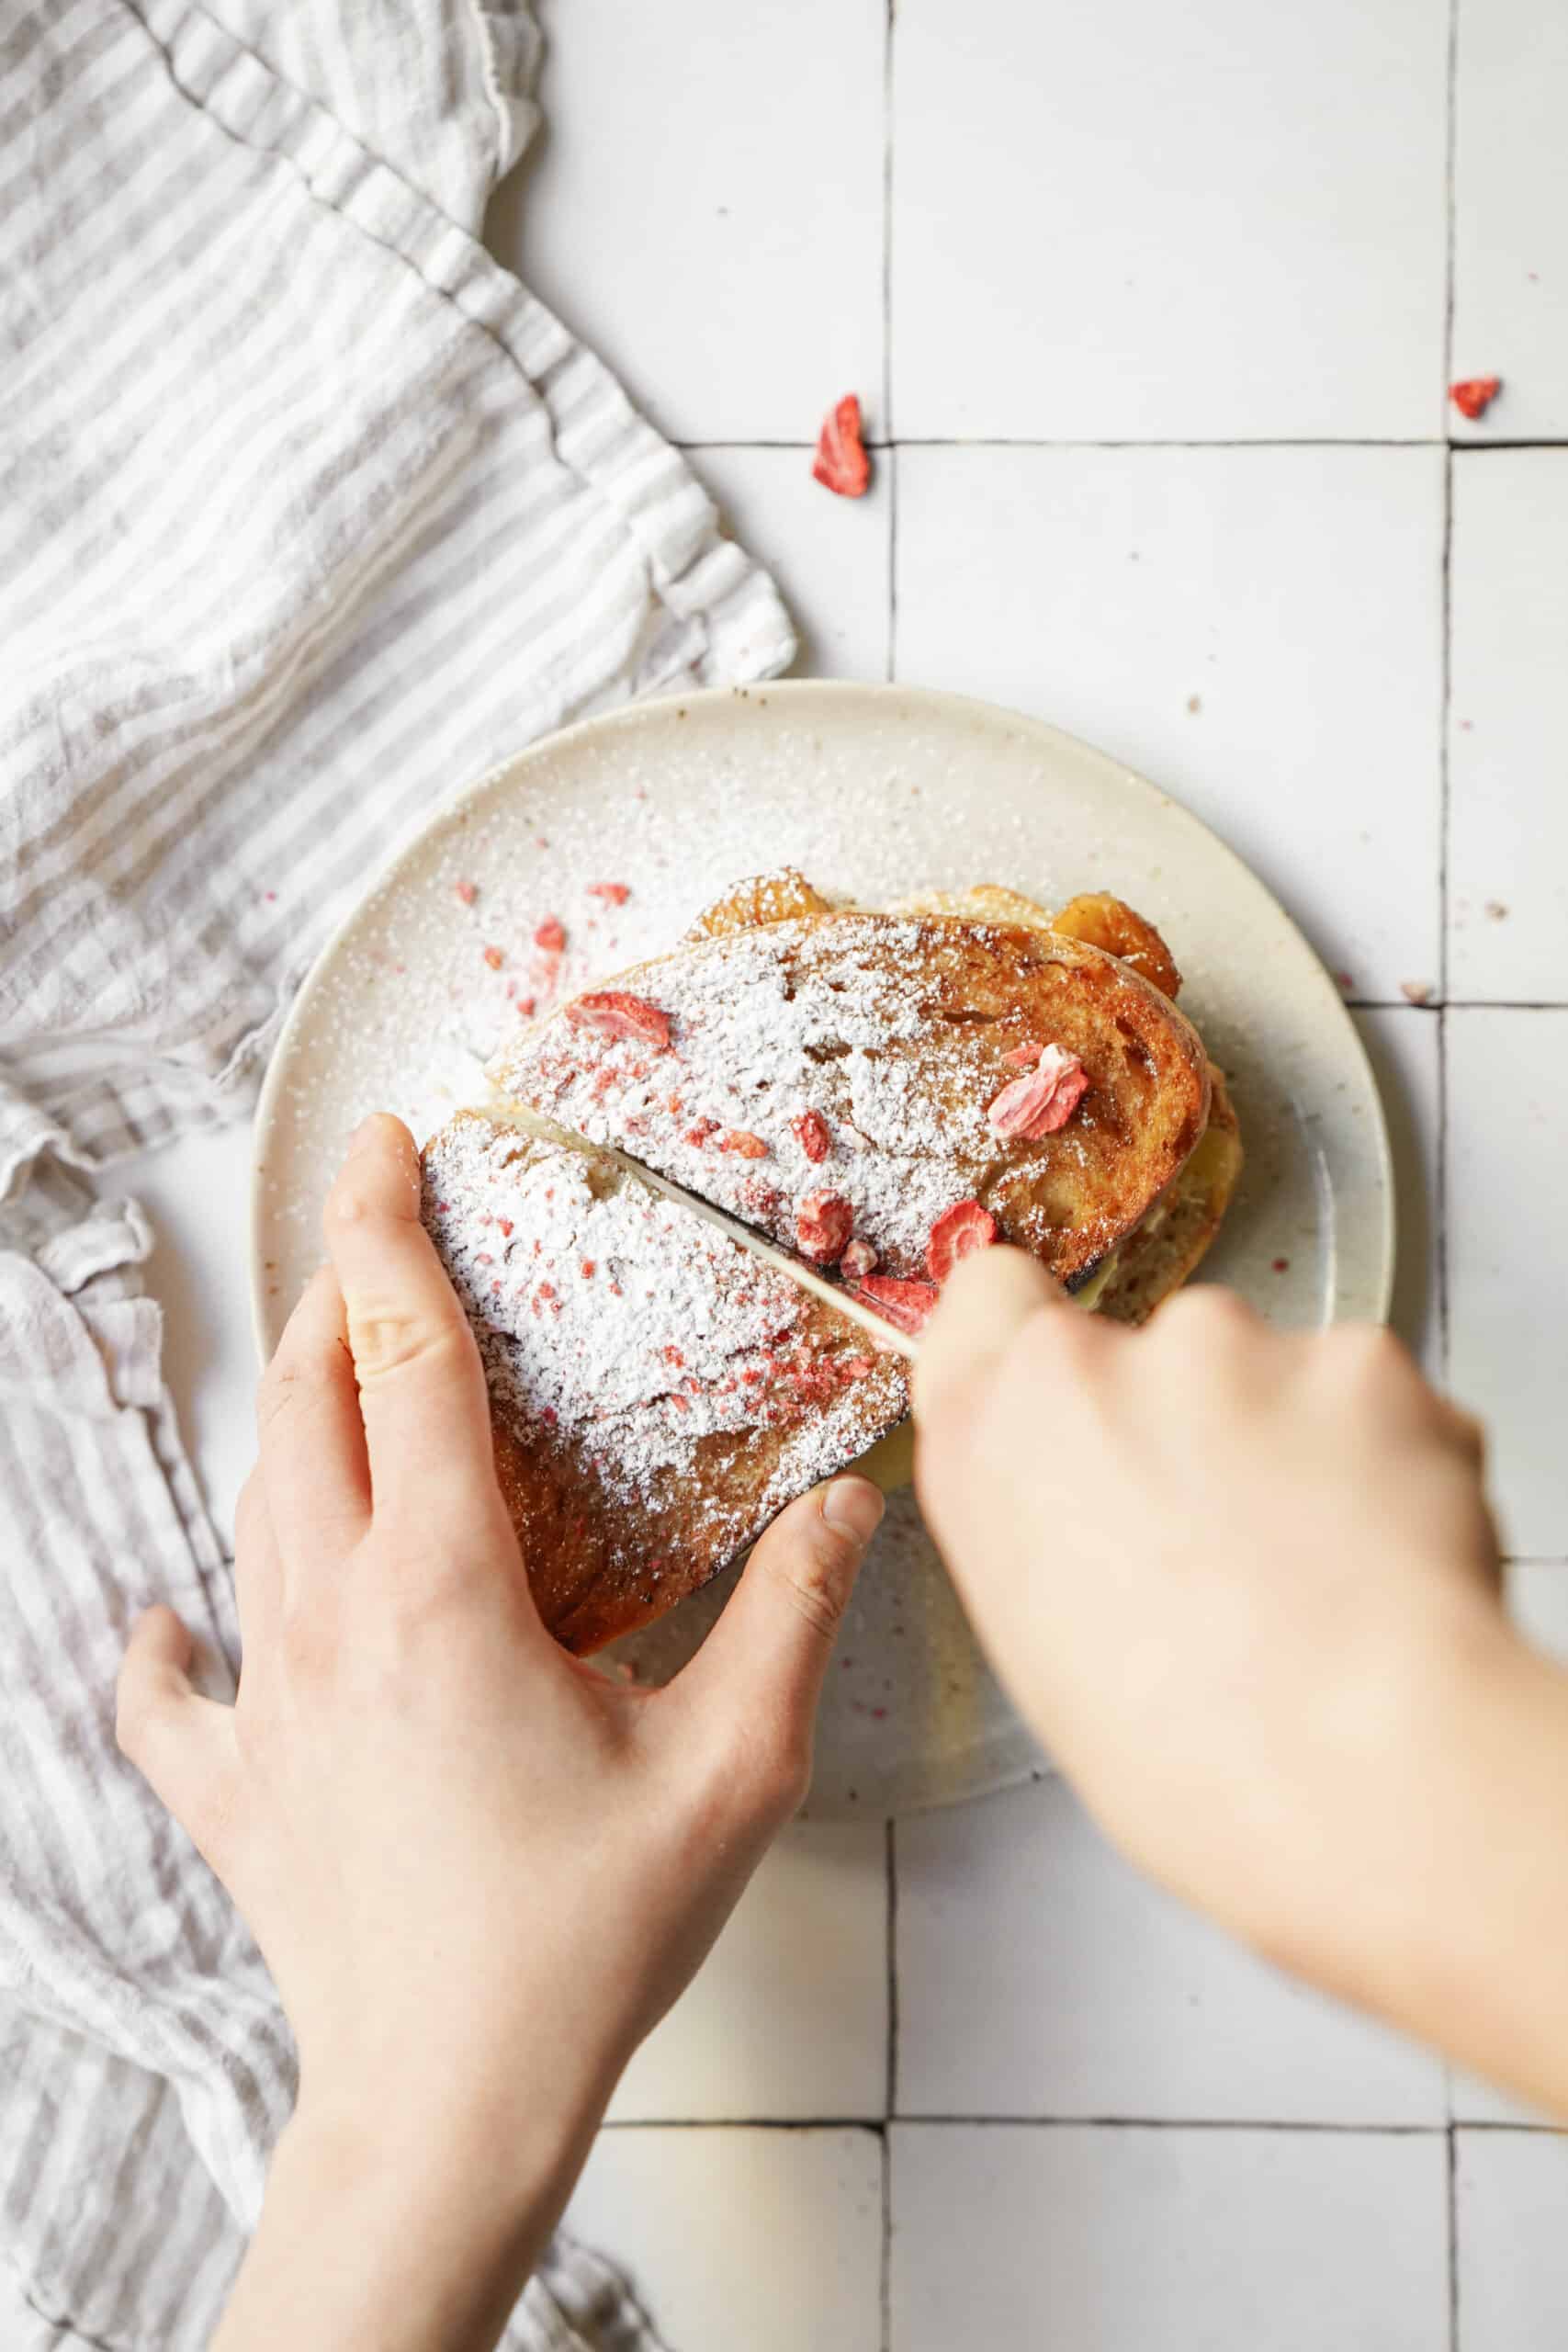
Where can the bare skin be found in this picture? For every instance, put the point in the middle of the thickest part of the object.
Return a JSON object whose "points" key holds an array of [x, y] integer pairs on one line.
{"points": [[1245, 1584], [479, 1870]]}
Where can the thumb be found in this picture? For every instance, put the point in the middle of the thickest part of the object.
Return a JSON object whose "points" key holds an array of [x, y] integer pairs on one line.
{"points": [[765, 1660], [180, 1742]]}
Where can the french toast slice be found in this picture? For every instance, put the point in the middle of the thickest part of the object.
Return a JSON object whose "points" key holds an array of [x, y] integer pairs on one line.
{"points": [[657, 1393], [853, 1058], [1175, 1235]]}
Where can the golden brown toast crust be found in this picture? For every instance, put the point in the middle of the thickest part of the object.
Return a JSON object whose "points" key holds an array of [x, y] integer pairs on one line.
{"points": [[1170, 1244], [894, 1031], [761, 898], [657, 1394]]}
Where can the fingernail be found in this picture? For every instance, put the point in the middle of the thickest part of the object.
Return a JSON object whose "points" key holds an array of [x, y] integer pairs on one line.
{"points": [[856, 1506], [361, 1136]]}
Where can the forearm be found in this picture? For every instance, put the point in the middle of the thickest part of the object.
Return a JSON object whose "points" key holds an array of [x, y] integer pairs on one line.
{"points": [[1478, 1963], [395, 2231]]}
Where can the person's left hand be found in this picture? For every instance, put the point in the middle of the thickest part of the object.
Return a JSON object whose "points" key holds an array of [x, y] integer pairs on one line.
{"points": [[479, 1870]]}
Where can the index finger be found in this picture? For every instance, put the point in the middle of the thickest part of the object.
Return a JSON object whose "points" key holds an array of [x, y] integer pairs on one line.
{"points": [[984, 1302], [421, 1388]]}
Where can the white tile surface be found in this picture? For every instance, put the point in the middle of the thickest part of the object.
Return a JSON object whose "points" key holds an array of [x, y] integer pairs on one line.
{"points": [[1089, 1994], [1511, 2198], [1120, 2239], [1511, 216], [197, 1194], [1538, 1601], [789, 2016], [743, 2241], [1509, 721], [1401, 1045], [1211, 223], [1508, 1337], [705, 209], [1295, 592], [829, 556]]}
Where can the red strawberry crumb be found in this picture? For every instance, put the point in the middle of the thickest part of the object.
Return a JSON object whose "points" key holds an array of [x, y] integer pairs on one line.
{"points": [[547, 1290], [751, 1375], [525, 1006], [588, 1269], [674, 1355], [614, 894], [1475, 394], [681, 1404], [744, 1144], [858, 1259], [699, 1134], [823, 1223], [504, 1223], [1041, 1100], [841, 464], [905, 1304], [958, 1233], [494, 958], [468, 892], [620, 1014], [550, 936], [1282, 1265], [856, 1367], [1416, 991], [810, 1132], [549, 1416], [615, 1290]]}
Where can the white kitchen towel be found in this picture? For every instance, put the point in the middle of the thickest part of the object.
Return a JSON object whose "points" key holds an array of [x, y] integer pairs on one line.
{"points": [[309, 513]]}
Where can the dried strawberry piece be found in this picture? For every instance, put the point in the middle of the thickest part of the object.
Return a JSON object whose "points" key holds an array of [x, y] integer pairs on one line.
{"points": [[494, 958], [467, 892], [823, 1223], [744, 1144], [699, 1134], [1045, 1100], [525, 1006], [958, 1233], [841, 464], [905, 1304], [1024, 1057], [810, 1132], [857, 1260], [614, 894], [620, 1014], [1475, 395], [550, 936]]}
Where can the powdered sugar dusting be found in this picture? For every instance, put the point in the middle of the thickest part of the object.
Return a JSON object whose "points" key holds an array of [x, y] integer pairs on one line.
{"points": [[614, 1320], [780, 1034]]}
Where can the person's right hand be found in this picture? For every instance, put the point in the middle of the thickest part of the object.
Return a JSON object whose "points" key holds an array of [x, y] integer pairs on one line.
{"points": [[1244, 1584]]}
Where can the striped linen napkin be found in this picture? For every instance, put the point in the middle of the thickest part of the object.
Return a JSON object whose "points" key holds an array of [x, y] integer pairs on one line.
{"points": [[310, 514]]}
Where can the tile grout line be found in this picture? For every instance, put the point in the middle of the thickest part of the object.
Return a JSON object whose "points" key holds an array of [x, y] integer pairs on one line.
{"points": [[1155, 441], [1451, 2191], [1445, 804], [888, 37], [885, 2281], [882, 2126]]}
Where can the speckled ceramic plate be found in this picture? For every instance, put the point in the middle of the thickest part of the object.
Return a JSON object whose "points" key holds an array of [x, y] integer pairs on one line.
{"points": [[872, 791]]}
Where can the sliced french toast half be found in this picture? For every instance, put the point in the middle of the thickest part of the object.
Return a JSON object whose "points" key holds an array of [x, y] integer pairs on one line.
{"points": [[1176, 1233], [657, 1392], [836, 1079]]}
